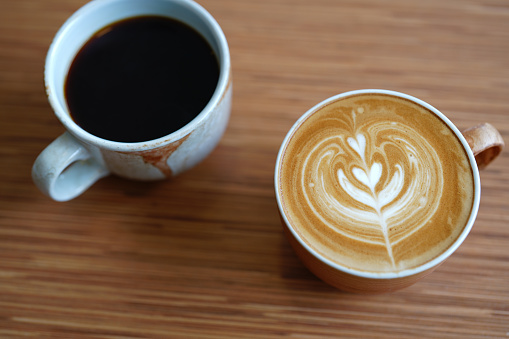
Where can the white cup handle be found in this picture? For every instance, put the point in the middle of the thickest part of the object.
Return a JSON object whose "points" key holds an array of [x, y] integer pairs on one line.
{"points": [[65, 169]]}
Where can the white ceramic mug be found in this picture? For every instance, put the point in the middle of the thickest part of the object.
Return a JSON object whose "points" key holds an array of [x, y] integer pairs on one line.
{"points": [[77, 159], [481, 143]]}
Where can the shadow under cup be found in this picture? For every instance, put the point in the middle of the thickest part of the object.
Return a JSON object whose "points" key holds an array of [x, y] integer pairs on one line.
{"points": [[325, 239]]}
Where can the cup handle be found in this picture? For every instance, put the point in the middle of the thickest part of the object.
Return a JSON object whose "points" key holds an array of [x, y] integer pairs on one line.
{"points": [[486, 143], [65, 169]]}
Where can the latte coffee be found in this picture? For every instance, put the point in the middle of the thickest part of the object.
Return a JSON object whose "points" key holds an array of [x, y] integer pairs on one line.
{"points": [[375, 183]]}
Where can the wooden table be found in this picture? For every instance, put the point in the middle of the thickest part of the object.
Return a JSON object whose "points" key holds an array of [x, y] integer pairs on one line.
{"points": [[204, 255]]}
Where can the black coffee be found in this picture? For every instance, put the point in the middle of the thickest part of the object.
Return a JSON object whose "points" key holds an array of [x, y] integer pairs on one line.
{"points": [[140, 79]]}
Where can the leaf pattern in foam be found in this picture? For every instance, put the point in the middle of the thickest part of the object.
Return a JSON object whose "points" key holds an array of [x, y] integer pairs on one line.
{"points": [[367, 183], [369, 177]]}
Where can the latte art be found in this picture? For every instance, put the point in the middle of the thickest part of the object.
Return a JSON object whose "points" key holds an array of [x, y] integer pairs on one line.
{"points": [[369, 183], [381, 188]]}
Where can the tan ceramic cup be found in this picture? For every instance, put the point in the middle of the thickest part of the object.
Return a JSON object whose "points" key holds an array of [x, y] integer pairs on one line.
{"points": [[482, 144], [77, 159]]}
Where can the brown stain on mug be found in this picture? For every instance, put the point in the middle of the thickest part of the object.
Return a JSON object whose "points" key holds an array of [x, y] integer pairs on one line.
{"points": [[228, 85], [158, 157]]}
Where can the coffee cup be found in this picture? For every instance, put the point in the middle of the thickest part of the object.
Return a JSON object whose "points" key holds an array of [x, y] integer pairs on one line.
{"points": [[377, 188], [81, 156]]}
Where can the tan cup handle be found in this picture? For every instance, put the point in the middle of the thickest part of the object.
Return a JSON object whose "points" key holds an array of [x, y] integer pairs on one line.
{"points": [[486, 143]]}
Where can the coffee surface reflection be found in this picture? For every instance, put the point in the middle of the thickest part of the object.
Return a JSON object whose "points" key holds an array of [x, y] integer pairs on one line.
{"points": [[376, 183]]}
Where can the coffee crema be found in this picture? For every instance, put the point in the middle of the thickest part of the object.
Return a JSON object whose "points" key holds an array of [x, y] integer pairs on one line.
{"points": [[376, 183]]}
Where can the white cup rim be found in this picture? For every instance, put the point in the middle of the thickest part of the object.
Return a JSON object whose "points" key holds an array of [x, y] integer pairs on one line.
{"points": [[382, 275], [62, 112]]}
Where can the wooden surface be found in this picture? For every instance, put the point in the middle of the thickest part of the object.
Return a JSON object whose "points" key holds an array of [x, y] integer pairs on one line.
{"points": [[204, 255]]}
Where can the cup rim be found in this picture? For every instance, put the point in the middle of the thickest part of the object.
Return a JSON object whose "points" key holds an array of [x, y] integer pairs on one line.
{"points": [[382, 275], [60, 108]]}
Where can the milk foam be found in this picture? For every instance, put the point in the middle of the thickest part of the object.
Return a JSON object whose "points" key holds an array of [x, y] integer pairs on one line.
{"points": [[372, 183]]}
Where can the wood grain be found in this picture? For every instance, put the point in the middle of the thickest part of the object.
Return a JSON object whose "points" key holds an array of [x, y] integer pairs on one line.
{"points": [[204, 255]]}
